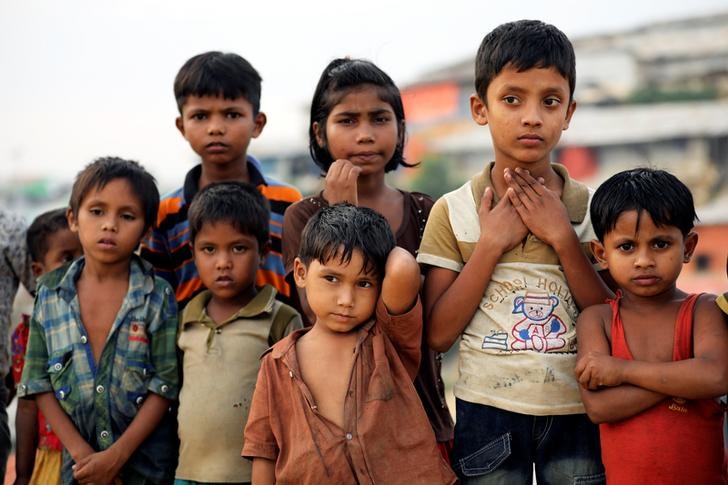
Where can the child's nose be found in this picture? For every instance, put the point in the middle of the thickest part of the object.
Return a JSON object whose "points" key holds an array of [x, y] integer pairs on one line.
{"points": [[531, 115], [215, 127], [109, 224], [643, 258], [223, 261], [345, 297], [365, 133]]}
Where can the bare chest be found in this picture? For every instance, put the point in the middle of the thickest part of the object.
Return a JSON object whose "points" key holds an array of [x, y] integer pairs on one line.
{"points": [[328, 378], [650, 337], [99, 309]]}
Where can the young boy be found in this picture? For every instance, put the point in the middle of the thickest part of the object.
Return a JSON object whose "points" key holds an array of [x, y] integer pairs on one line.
{"points": [[101, 359], [508, 272], [224, 330], [335, 403], [653, 361], [51, 244], [218, 97]]}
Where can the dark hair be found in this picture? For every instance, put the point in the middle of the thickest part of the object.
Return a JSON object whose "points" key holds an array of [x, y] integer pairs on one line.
{"points": [[336, 231], [339, 78], [667, 200], [105, 169], [237, 203], [524, 44], [40, 230], [218, 74]]}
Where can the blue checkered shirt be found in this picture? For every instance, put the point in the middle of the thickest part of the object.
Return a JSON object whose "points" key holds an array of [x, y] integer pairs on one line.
{"points": [[139, 357]]}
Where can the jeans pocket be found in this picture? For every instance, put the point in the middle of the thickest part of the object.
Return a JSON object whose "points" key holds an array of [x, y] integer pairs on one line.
{"points": [[595, 479], [487, 458]]}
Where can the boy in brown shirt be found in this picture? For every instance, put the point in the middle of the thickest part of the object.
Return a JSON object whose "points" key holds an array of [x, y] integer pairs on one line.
{"points": [[335, 403]]}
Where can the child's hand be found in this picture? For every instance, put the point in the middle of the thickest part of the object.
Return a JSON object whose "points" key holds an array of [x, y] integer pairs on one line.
{"points": [[500, 226], [595, 369], [540, 208], [101, 468], [340, 184], [401, 283]]}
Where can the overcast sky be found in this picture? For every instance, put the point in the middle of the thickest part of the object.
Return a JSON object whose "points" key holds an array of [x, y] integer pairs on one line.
{"points": [[80, 79]]}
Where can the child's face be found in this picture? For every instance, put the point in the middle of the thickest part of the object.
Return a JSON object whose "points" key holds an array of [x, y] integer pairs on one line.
{"points": [[361, 128], [526, 112], [341, 295], [227, 261], [644, 260], [63, 247], [219, 130], [110, 222]]}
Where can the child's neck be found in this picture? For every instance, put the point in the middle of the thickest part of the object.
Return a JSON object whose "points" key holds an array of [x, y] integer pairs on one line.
{"points": [[220, 309], [647, 303], [95, 271], [233, 171], [372, 187]]}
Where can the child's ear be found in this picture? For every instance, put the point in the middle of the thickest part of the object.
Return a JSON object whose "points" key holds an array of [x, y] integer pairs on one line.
{"points": [[478, 110], [180, 125], [260, 120], [319, 134], [299, 273], [597, 249], [37, 268], [264, 250], [691, 242], [569, 114], [71, 218]]}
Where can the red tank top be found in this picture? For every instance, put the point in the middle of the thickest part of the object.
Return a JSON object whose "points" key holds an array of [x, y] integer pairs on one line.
{"points": [[677, 441]]}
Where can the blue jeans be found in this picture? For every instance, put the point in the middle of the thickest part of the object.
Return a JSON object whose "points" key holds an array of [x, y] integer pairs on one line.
{"points": [[493, 446]]}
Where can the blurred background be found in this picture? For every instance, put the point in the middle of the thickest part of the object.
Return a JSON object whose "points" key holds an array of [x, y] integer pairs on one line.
{"points": [[86, 78]]}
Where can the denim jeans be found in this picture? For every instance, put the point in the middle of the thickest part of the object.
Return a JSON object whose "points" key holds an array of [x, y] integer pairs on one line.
{"points": [[493, 446]]}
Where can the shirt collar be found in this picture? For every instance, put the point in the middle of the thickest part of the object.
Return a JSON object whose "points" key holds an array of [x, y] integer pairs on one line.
{"points": [[575, 196], [262, 303]]}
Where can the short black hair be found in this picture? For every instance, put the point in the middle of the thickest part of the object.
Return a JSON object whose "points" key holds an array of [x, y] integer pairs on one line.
{"points": [[336, 231], [216, 73], [41, 229], [105, 169], [524, 44], [236, 203], [663, 196], [339, 78]]}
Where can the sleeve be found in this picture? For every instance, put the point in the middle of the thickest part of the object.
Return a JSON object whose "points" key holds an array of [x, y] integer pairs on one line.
{"points": [[722, 302], [439, 245], [405, 333], [163, 343], [294, 324], [258, 438], [35, 378], [156, 250], [18, 346], [16, 254]]}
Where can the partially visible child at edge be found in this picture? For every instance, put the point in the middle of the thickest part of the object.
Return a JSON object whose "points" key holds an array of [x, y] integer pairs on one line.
{"points": [[722, 302], [51, 244], [224, 330], [654, 360], [218, 97], [509, 269], [101, 360], [356, 135], [335, 403]]}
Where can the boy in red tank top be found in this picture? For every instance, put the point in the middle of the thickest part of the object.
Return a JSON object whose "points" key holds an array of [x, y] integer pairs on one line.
{"points": [[652, 362]]}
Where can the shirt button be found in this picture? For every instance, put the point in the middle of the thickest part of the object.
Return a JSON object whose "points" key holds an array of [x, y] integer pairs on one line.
{"points": [[104, 434], [348, 436], [164, 388], [83, 339], [57, 366], [139, 400], [61, 394], [99, 388]]}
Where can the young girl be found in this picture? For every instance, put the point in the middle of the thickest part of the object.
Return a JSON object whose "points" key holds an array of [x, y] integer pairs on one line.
{"points": [[356, 135]]}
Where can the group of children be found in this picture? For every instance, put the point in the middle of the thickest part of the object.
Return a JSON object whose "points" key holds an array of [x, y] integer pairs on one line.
{"points": [[298, 333]]}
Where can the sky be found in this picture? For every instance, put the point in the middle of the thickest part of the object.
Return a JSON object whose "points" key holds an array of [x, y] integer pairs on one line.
{"points": [[82, 79]]}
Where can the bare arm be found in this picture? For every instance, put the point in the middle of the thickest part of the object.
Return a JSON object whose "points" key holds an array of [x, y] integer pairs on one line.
{"points": [[606, 404], [62, 425], [703, 376], [26, 440], [545, 216], [105, 465], [451, 298], [401, 283], [263, 472]]}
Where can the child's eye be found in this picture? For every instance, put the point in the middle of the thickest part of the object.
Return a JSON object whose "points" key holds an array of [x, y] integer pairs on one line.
{"points": [[330, 278], [661, 244], [234, 115], [511, 100], [626, 246], [382, 120], [67, 257], [199, 116], [95, 211], [128, 217], [365, 284], [552, 102], [345, 121], [239, 249], [207, 249]]}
